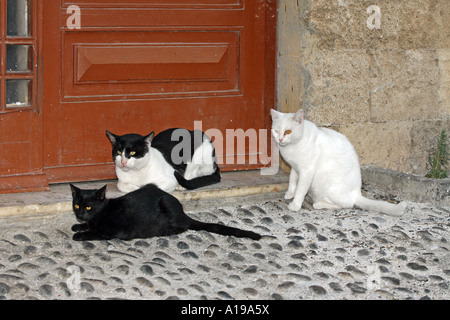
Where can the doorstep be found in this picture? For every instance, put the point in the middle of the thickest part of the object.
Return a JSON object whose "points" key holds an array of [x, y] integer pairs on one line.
{"points": [[235, 187]]}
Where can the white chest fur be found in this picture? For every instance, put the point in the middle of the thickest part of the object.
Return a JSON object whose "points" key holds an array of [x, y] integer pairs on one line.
{"points": [[156, 171]]}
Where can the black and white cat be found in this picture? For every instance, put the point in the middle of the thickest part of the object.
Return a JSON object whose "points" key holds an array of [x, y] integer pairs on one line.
{"points": [[174, 156], [324, 164], [144, 213]]}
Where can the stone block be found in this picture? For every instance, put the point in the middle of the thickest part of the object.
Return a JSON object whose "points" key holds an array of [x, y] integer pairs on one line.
{"points": [[405, 24], [444, 88], [339, 89], [405, 85], [289, 90], [387, 145]]}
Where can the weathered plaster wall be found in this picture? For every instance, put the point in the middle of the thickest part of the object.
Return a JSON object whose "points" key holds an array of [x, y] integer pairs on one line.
{"points": [[387, 89]]}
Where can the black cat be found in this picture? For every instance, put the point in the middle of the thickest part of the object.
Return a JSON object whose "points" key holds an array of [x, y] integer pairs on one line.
{"points": [[144, 213]]}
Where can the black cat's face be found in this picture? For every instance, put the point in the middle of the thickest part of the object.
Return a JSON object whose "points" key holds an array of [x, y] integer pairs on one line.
{"points": [[87, 203], [130, 151]]}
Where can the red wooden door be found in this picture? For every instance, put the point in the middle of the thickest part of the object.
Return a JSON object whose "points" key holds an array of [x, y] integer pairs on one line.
{"points": [[138, 66], [141, 66]]}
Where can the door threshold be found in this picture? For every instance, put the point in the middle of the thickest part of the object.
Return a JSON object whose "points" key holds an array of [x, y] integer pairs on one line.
{"points": [[235, 186]]}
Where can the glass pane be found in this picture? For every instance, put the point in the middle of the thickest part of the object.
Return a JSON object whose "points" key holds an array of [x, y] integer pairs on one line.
{"points": [[19, 58], [18, 19], [18, 93]]}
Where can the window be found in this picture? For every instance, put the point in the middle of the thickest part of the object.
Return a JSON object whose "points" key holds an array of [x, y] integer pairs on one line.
{"points": [[18, 58]]}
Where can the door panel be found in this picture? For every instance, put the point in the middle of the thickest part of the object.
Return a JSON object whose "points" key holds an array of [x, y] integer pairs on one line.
{"points": [[141, 66], [152, 64], [205, 4], [131, 63]]}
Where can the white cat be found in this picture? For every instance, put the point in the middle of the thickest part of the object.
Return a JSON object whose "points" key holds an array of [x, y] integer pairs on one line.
{"points": [[324, 164]]}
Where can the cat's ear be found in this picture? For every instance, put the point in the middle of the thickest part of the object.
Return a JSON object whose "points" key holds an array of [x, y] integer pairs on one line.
{"points": [[100, 194], [75, 190], [299, 116], [111, 136], [149, 138], [274, 114]]}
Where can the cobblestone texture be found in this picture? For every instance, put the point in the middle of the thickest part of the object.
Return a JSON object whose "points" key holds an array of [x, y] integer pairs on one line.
{"points": [[346, 254]]}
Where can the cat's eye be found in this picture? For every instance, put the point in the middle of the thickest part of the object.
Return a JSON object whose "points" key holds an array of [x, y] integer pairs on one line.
{"points": [[88, 208], [132, 153], [77, 206], [119, 152], [276, 131], [288, 132]]}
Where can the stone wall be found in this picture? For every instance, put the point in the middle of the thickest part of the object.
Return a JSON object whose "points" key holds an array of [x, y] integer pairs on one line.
{"points": [[382, 80]]}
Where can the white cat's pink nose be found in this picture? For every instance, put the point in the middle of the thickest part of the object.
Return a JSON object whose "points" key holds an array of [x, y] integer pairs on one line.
{"points": [[124, 163]]}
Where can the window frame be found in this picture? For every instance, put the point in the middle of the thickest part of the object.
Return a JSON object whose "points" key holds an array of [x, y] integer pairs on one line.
{"points": [[32, 75]]}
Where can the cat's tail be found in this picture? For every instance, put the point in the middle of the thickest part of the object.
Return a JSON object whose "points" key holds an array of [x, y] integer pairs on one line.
{"points": [[181, 221], [198, 182], [381, 206], [223, 230]]}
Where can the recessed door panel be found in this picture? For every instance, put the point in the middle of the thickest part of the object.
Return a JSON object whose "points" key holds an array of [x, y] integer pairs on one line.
{"points": [[204, 4], [150, 64]]}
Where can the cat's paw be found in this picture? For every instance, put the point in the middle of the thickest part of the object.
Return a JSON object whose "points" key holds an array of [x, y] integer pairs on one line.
{"points": [[180, 188], [126, 187], [79, 227], [289, 195], [294, 206], [77, 237]]}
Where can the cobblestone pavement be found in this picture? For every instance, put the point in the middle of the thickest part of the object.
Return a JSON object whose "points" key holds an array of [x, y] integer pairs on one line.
{"points": [[346, 254]]}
